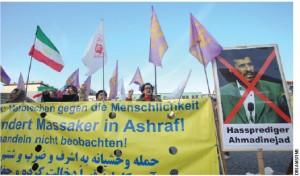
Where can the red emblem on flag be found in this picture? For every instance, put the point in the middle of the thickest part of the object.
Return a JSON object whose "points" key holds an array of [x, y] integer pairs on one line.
{"points": [[99, 48]]}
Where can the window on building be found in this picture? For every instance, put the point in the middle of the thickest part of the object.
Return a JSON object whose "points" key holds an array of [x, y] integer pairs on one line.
{"points": [[196, 96], [183, 97], [187, 97], [193, 96]]}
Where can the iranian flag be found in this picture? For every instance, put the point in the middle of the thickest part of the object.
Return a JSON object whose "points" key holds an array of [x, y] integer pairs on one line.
{"points": [[44, 51]]}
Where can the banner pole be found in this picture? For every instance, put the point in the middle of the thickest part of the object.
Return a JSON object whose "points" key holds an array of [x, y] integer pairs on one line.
{"points": [[221, 154], [260, 162]]}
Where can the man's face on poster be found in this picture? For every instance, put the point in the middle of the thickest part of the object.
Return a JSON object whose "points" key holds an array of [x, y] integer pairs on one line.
{"points": [[245, 67]]}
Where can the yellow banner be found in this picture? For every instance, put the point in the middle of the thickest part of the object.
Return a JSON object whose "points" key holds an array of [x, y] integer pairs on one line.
{"points": [[108, 138]]}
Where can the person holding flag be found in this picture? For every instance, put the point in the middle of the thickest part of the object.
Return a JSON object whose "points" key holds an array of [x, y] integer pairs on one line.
{"points": [[147, 94], [138, 80], [18, 94], [69, 92], [71, 95], [85, 89]]}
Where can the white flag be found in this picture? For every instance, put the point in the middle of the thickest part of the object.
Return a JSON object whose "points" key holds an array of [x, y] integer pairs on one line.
{"points": [[121, 90], [95, 53], [180, 89]]}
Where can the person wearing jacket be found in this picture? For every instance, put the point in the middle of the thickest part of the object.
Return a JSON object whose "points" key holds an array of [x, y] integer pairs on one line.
{"points": [[147, 93], [71, 95]]}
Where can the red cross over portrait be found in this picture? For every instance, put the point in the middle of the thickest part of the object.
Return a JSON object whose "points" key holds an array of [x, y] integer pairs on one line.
{"points": [[251, 86]]}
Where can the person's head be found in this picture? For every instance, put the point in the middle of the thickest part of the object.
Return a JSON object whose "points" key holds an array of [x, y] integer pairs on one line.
{"points": [[101, 95], [147, 89], [16, 95], [53, 93], [245, 67], [71, 90]]}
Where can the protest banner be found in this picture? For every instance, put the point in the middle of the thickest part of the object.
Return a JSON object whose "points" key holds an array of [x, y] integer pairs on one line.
{"points": [[112, 137]]}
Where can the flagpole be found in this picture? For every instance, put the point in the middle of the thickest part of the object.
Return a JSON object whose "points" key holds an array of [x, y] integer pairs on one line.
{"points": [[28, 77], [207, 81], [155, 82], [221, 154], [202, 58], [29, 69], [103, 70]]}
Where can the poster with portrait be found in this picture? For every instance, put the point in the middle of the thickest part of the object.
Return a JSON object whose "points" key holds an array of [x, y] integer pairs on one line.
{"points": [[253, 103]]}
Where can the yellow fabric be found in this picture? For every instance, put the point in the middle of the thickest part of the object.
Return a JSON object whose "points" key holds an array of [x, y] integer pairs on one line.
{"points": [[81, 138]]}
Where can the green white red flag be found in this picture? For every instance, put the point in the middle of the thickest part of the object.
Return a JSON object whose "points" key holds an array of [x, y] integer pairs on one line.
{"points": [[44, 51]]}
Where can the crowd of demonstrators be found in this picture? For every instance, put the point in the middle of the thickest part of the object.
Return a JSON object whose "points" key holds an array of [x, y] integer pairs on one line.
{"points": [[147, 94], [71, 95], [17, 95]]}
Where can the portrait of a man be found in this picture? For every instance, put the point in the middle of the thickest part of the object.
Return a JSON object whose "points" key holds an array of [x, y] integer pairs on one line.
{"points": [[251, 87]]}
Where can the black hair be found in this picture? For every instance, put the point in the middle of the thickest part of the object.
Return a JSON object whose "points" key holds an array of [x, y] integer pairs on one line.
{"points": [[73, 88], [144, 85], [100, 91]]}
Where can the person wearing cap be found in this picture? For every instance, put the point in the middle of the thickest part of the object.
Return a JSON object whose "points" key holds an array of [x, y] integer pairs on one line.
{"points": [[254, 109]]}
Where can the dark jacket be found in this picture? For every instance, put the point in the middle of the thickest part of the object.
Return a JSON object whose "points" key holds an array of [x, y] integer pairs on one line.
{"points": [[65, 98]]}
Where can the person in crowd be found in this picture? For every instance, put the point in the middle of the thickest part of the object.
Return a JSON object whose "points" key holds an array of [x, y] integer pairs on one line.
{"points": [[130, 93], [147, 93], [53, 94], [101, 95], [71, 95], [254, 109], [82, 92], [17, 95]]}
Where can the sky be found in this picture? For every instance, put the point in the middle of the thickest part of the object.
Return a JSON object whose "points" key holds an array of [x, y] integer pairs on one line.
{"points": [[70, 26]]}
